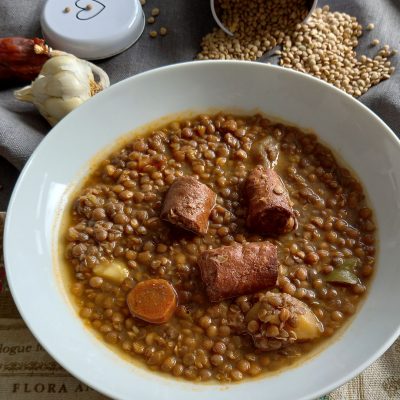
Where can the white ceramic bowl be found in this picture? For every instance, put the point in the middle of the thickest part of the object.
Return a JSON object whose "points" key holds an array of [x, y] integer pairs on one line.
{"points": [[360, 138]]}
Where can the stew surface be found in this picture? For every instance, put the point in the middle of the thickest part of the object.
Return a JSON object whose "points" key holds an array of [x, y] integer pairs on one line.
{"points": [[115, 239]]}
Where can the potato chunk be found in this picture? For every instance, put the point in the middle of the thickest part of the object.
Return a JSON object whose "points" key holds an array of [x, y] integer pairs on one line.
{"points": [[308, 326], [114, 271]]}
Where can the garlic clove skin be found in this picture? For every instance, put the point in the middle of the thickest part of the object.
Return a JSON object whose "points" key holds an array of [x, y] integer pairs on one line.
{"points": [[54, 109], [64, 83]]}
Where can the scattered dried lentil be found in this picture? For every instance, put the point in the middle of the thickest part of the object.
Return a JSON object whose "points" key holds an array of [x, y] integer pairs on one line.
{"points": [[153, 34], [151, 20], [323, 46], [155, 12], [163, 31]]}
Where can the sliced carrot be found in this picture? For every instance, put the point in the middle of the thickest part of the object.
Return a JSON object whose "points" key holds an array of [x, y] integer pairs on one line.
{"points": [[153, 300]]}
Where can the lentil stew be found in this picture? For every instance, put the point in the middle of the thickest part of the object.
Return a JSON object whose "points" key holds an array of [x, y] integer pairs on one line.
{"points": [[314, 271]]}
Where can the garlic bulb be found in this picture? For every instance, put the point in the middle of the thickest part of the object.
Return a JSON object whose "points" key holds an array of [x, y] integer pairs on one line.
{"points": [[64, 83]]}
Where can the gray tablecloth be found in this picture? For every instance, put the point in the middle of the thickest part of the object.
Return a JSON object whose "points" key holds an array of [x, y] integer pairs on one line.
{"points": [[22, 129]]}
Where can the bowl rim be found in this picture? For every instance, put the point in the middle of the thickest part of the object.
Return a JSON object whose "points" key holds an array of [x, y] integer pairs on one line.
{"points": [[10, 211]]}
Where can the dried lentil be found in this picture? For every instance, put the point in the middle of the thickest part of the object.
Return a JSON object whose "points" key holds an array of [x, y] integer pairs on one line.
{"points": [[323, 46], [257, 26]]}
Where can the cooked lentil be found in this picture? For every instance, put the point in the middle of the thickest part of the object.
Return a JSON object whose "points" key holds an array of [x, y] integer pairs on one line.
{"points": [[204, 341]]}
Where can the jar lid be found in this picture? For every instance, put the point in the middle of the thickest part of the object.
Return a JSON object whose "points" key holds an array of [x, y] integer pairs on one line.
{"points": [[92, 29]]}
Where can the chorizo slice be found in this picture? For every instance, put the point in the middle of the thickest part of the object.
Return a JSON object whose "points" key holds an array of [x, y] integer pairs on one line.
{"points": [[21, 59], [231, 271], [188, 204], [269, 206]]}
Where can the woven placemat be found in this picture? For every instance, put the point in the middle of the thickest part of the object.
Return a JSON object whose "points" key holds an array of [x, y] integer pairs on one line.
{"points": [[28, 372]]}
